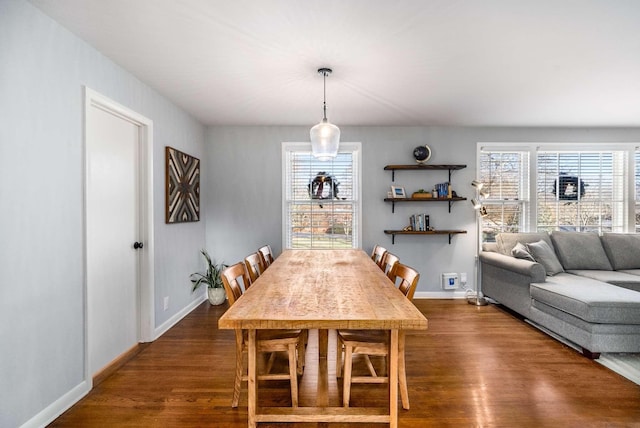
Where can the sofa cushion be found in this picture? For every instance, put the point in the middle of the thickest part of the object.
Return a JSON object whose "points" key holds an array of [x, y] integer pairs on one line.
{"points": [[614, 277], [631, 271], [520, 251], [580, 250], [629, 284], [543, 254], [506, 241], [588, 299], [623, 249]]}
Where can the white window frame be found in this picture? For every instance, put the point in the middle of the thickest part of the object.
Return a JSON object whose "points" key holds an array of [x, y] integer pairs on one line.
{"points": [[629, 185], [355, 148]]}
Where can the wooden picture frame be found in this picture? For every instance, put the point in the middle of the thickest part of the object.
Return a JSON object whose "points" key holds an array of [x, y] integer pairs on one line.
{"points": [[182, 187], [398, 192]]}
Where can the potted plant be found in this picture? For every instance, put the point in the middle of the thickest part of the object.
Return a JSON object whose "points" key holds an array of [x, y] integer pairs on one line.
{"points": [[215, 289]]}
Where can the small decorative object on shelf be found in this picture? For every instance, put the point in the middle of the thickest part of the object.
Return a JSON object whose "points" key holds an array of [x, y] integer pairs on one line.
{"points": [[398, 192], [422, 154], [421, 194]]}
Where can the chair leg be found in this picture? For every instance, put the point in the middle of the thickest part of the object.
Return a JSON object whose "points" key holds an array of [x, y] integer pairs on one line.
{"points": [[302, 350], [238, 380], [346, 379], [402, 374], [338, 357], [293, 374]]}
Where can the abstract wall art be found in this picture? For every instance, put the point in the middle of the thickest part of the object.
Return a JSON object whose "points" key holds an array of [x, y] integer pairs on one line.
{"points": [[182, 183]]}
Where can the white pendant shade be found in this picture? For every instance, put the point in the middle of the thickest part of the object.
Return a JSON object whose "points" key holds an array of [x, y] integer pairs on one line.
{"points": [[325, 138]]}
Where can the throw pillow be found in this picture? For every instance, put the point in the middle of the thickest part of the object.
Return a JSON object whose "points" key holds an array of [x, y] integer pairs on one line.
{"points": [[520, 252], [543, 254], [507, 240]]}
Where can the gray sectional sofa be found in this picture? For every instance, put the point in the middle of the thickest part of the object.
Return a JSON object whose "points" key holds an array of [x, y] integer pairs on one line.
{"points": [[578, 285]]}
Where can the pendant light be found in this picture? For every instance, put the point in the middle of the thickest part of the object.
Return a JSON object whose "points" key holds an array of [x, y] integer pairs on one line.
{"points": [[325, 136]]}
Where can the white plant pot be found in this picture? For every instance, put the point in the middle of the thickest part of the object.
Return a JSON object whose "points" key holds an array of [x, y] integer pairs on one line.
{"points": [[216, 295]]}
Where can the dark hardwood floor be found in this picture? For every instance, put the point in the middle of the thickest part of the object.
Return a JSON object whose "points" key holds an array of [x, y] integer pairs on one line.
{"points": [[473, 367]]}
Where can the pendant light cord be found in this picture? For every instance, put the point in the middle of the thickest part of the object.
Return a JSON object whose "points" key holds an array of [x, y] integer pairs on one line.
{"points": [[324, 95], [325, 72]]}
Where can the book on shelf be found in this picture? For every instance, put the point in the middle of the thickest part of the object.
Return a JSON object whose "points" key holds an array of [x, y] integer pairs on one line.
{"points": [[419, 222], [444, 190]]}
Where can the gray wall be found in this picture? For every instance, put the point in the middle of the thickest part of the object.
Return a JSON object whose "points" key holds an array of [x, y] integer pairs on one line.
{"points": [[43, 68], [244, 203]]}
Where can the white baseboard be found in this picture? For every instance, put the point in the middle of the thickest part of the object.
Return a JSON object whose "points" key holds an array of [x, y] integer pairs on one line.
{"points": [[58, 407], [162, 329], [457, 294]]}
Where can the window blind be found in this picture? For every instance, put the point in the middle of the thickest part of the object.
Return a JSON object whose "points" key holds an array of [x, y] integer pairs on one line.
{"points": [[581, 191]]}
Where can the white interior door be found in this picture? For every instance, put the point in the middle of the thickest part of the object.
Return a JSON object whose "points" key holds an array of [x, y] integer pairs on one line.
{"points": [[113, 226]]}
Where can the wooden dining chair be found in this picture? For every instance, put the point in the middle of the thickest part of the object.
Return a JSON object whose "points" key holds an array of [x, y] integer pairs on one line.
{"points": [[266, 256], [389, 262], [267, 341], [377, 255], [374, 342], [254, 266]]}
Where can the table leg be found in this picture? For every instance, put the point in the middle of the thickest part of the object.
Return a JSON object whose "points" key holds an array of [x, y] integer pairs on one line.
{"points": [[252, 383], [393, 380], [323, 372]]}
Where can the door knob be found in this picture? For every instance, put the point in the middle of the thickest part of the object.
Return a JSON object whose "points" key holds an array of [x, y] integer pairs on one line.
{"points": [[137, 245]]}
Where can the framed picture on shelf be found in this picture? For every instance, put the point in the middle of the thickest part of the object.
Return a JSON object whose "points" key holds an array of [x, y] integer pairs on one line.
{"points": [[398, 192]]}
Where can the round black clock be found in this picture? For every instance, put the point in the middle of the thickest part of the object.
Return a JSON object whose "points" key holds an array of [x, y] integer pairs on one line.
{"points": [[422, 153]]}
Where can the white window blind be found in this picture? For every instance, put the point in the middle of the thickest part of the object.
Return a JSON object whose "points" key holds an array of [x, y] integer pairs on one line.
{"points": [[581, 191], [505, 175], [321, 207]]}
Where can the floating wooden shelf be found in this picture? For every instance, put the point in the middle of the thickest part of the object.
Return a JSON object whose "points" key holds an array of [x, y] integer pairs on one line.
{"points": [[393, 233], [394, 200], [418, 167]]}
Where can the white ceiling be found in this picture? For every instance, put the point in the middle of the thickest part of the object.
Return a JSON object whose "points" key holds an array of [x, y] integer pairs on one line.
{"points": [[395, 62]]}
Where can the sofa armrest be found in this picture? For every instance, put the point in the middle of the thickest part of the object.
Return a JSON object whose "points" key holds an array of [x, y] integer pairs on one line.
{"points": [[535, 271]]}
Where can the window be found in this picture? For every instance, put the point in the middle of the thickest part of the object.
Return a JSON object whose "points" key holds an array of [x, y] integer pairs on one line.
{"points": [[506, 177], [555, 187], [322, 198]]}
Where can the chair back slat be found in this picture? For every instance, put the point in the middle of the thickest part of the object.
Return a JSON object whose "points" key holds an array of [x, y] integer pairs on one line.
{"points": [[266, 256], [377, 255], [389, 264], [254, 266], [231, 278], [409, 278]]}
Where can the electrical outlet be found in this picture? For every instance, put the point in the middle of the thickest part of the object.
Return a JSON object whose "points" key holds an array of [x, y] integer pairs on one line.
{"points": [[463, 278], [166, 303]]}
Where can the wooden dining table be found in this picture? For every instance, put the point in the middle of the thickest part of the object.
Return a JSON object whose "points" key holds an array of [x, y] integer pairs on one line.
{"points": [[323, 289]]}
